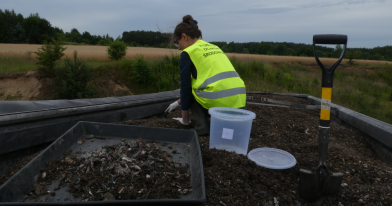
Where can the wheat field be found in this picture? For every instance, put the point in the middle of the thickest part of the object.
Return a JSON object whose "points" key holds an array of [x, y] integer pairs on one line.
{"points": [[99, 53]]}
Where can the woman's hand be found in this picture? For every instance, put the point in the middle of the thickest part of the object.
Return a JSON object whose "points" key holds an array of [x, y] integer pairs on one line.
{"points": [[185, 118], [172, 106], [181, 121]]}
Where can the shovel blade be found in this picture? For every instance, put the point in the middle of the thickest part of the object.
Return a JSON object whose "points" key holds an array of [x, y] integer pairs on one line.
{"points": [[332, 186], [307, 186], [311, 187]]}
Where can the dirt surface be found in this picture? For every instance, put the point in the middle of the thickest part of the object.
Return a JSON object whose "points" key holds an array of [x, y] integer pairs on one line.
{"points": [[15, 168], [232, 179], [33, 86], [133, 169], [20, 87], [109, 88]]}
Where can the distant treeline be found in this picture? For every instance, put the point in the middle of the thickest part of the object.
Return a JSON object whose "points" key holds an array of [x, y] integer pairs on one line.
{"points": [[293, 49], [147, 38], [14, 28]]}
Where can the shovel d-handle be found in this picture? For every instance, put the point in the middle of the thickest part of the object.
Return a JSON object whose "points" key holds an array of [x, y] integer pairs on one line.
{"points": [[327, 78], [330, 39]]}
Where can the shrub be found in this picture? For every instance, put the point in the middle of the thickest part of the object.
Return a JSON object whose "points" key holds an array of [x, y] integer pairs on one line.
{"points": [[9, 97], [141, 70], [386, 75], [316, 82], [74, 80], [258, 68], [165, 73], [288, 81], [117, 50], [279, 78], [48, 54]]}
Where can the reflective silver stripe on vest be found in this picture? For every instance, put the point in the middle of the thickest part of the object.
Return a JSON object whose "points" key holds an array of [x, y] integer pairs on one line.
{"points": [[217, 77], [222, 93]]}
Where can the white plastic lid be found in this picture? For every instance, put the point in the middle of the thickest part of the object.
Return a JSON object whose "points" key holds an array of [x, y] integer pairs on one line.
{"points": [[231, 113], [272, 158]]}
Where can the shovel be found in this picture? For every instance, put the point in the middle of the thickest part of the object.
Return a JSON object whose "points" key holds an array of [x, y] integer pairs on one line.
{"points": [[321, 183], [163, 115]]}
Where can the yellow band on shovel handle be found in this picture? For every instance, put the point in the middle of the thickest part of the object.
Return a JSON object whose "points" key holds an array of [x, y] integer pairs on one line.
{"points": [[326, 95]]}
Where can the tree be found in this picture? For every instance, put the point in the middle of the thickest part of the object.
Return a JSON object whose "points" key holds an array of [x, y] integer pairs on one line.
{"points": [[5, 33], [292, 52], [140, 69], [338, 51], [149, 38], [59, 34], [48, 54], [353, 54], [224, 48], [281, 50], [231, 46], [74, 80], [86, 36], [38, 30], [305, 51], [117, 50], [263, 48], [238, 48], [18, 33], [245, 51], [75, 36]]}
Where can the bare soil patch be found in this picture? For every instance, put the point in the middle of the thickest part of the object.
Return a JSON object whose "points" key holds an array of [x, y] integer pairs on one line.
{"points": [[107, 87], [32, 86], [20, 87]]}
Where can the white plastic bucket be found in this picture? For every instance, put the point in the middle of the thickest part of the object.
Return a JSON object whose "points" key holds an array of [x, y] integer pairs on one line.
{"points": [[230, 129]]}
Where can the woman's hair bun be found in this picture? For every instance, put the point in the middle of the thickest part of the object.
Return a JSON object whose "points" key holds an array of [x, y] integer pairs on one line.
{"points": [[189, 27], [187, 18]]}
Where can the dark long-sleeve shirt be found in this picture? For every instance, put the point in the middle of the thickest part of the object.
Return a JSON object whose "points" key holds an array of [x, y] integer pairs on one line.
{"points": [[187, 69]]}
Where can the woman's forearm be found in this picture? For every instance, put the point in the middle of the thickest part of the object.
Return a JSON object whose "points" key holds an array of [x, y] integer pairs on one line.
{"points": [[185, 116]]}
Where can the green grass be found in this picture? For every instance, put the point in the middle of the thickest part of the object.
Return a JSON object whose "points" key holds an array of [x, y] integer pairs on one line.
{"points": [[370, 94], [11, 64], [163, 75]]}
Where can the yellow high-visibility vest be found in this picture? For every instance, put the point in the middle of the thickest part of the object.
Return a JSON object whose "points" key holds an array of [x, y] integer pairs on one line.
{"points": [[217, 83]]}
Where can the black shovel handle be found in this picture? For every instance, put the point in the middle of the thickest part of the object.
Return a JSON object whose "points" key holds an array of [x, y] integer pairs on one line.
{"points": [[329, 39], [327, 78]]}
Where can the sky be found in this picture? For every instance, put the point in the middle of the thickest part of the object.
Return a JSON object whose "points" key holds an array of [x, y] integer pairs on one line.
{"points": [[367, 23]]}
